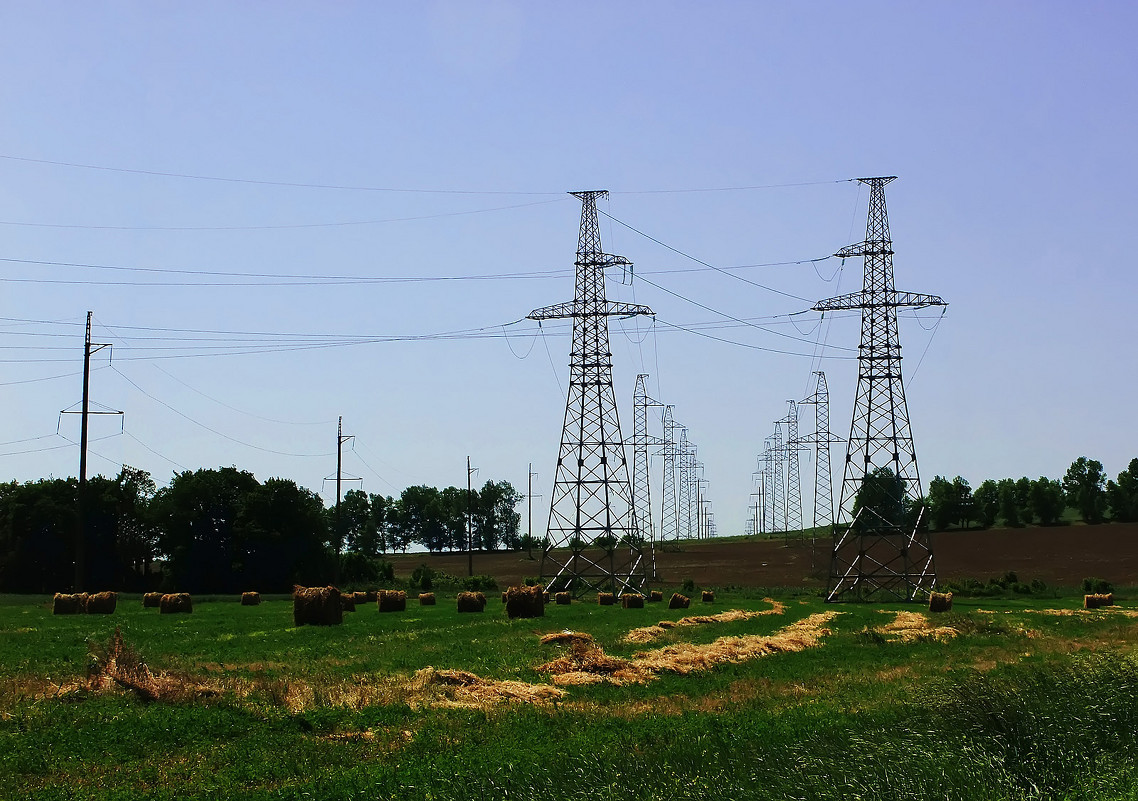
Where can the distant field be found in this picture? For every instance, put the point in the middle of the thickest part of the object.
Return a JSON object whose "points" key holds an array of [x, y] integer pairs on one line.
{"points": [[780, 698]]}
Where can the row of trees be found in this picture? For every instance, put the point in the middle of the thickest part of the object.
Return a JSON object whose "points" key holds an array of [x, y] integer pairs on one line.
{"points": [[222, 530], [1018, 502]]}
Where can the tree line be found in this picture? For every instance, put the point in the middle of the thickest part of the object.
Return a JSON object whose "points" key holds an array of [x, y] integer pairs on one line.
{"points": [[222, 530]]}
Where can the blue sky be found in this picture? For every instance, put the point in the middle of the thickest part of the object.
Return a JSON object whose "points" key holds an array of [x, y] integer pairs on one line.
{"points": [[1010, 125]]}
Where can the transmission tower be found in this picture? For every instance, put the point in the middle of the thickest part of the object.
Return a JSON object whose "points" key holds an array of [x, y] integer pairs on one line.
{"points": [[778, 491], [768, 486], [593, 542], [821, 439], [669, 514], [685, 456], [641, 490], [793, 476], [881, 547]]}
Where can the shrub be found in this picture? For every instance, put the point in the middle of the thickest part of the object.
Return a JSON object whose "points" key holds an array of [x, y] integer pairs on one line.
{"points": [[423, 577], [1097, 586], [479, 583], [688, 585]]}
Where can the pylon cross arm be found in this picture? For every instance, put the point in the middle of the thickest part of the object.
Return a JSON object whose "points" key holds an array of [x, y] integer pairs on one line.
{"points": [[576, 309], [866, 300]]}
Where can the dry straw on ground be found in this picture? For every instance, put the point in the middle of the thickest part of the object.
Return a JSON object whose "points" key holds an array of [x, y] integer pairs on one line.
{"points": [[525, 602], [151, 600], [458, 688], [427, 599], [316, 606], [175, 602], [118, 664], [940, 601], [250, 598], [587, 663], [679, 601], [913, 627], [471, 602], [69, 604], [650, 633], [102, 603], [391, 601]]}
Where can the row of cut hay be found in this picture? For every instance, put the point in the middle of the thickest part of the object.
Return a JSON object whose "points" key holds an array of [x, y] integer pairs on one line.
{"points": [[1097, 600], [913, 627], [471, 602], [940, 601], [316, 606], [80, 603], [391, 601], [650, 633], [524, 601], [587, 663]]}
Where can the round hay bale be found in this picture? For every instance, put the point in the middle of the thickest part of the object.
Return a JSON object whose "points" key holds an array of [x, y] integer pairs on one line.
{"points": [[563, 598], [655, 596], [632, 600], [69, 604], [708, 597], [606, 598], [940, 601], [175, 603], [391, 601], [361, 598], [102, 603], [151, 600], [427, 599], [471, 602], [525, 602], [347, 602], [679, 601], [250, 598], [372, 595], [316, 606]]}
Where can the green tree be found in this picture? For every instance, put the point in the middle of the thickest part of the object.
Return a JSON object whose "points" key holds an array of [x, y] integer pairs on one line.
{"points": [[883, 503], [1084, 487], [1009, 503], [356, 521], [281, 538], [418, 516], [1122, 495], [949, 502], [986, 503], [497, 520], [1046, 500], [383, 521], [1023, 500], [38, 522]]}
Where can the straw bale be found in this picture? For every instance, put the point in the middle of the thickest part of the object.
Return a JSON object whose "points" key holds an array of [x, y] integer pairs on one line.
{"points": [[940, 601], [250, 599], [708, 597], [391, 601], [587, 663], [606, 598], [655, 596], [471, 602], [151, 600], [632, 600], [371, 596], [316, 606], [545, 596], [361, 598], [649, 633], [503, 596], [176, 602], [347, 602], [1097, 600], [426, 599], [679, 601], [102, 603], [69, 604], [563, 598], [525, 602]]}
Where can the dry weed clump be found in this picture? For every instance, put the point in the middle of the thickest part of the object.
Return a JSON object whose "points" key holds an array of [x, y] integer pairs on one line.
{"points": [[471, 602], [686, 658], [118, 665], [102, 603], [940, 601], [151, 600], [69, 604], [391, 601], [316, 606], [458, 688], [913, 627], [650, 633], [679, 601], [175, 603], [525, 602], [250, 599]]}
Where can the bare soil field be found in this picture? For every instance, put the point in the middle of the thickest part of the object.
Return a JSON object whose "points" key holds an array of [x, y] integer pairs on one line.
{"points": [[1062, 555]]}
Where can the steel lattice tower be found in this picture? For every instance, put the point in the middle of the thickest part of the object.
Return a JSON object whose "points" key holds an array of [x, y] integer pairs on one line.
{"points": [[879, 548], [821, 440], [685, 458], [593, 543], [778, 491], [669, 513], [793, 472], [768, 487], [641, 489]]}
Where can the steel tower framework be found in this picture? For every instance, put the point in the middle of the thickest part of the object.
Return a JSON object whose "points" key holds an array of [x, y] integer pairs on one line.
{"points": [[669, 512], [821, 439], [793, 470], [768, 486], [641, 487], [879, 549], [685, 467], [778, 490], [593, 543]]}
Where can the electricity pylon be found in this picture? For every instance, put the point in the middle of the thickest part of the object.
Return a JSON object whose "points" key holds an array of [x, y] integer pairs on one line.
{"points": [[821, 439], [778, 493], [685, 459], [880, 545], [768, 486], [669, 511], [641, 490], [592, 538], [793, 475]]}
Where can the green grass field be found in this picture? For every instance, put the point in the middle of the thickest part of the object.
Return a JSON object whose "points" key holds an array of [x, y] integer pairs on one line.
{"points": [[1021, 703]]}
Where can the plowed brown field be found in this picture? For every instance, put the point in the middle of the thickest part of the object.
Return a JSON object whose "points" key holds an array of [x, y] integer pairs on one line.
{"points": [[1063, 555]]}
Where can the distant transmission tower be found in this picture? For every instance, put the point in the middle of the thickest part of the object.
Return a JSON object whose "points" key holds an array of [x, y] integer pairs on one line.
{"points": [[641, 489], [685, 463], [593, 543], [768, 486], [793, 475], [669, 511], [880, 547], [821, 439], [778, 491]]}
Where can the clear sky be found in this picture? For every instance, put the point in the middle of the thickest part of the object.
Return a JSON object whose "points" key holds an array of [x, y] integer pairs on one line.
{"points": [[379, 140]]}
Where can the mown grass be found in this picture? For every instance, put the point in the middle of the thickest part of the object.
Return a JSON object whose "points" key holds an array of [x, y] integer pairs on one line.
{"points": [[1021, 705]]}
